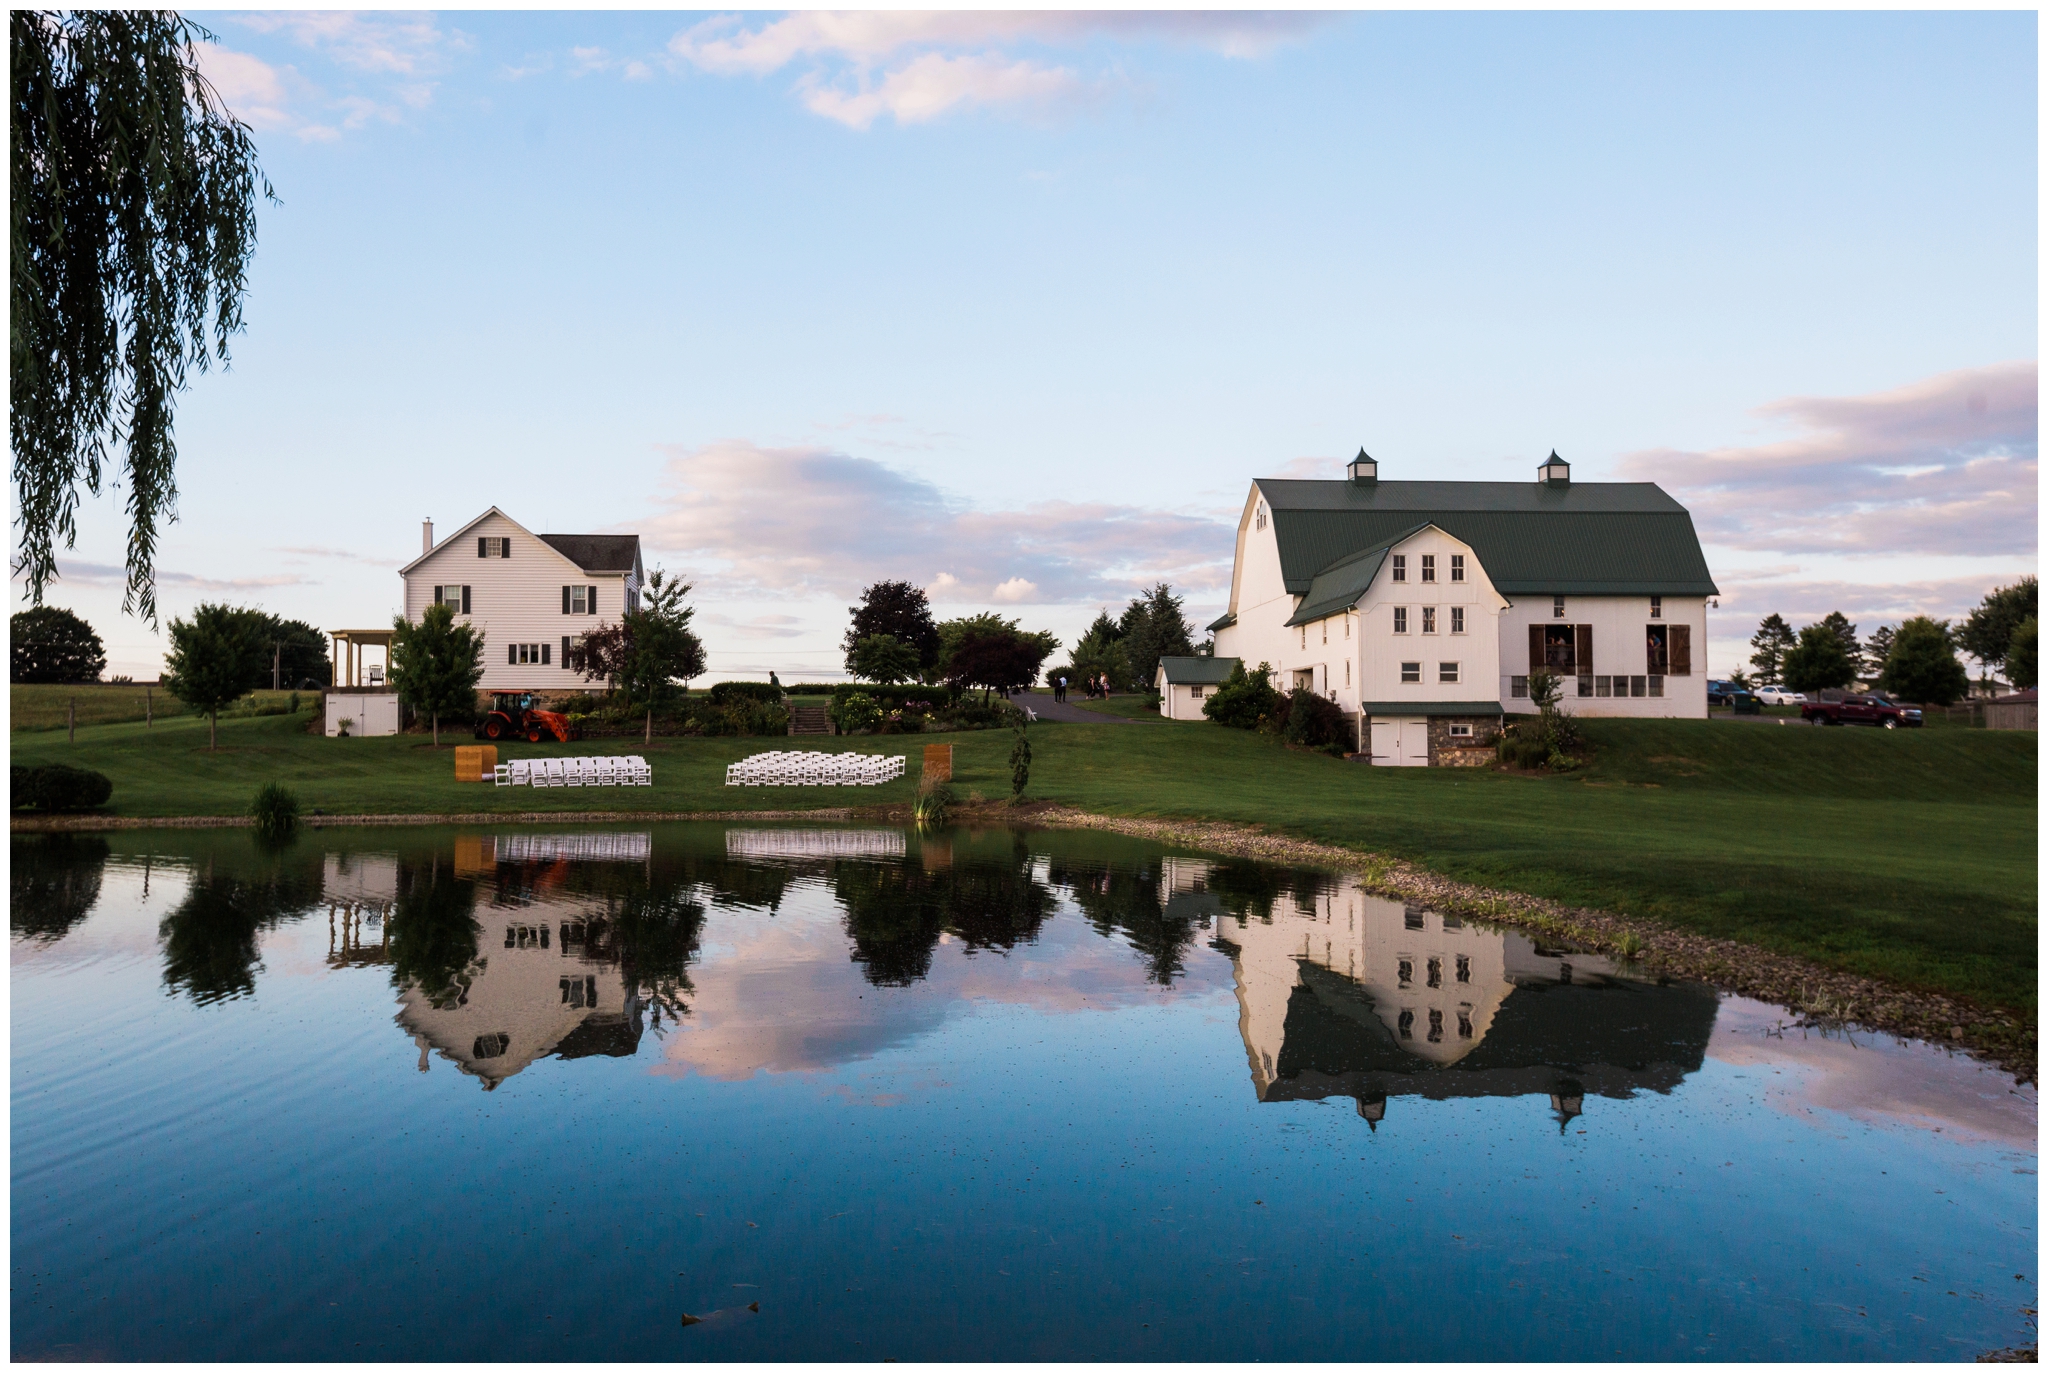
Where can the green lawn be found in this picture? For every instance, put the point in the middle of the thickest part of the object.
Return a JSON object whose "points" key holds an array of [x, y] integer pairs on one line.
{"points": [[43, 706], [1909, 855]]}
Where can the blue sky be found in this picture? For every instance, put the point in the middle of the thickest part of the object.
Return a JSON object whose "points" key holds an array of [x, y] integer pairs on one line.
{"points": [[1015, 306]]}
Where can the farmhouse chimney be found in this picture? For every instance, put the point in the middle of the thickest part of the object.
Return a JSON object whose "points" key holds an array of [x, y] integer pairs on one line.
{"points": [[427, 535], [1362, 470], [1555, 471]]}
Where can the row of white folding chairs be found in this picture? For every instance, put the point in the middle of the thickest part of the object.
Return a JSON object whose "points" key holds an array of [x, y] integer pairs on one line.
{"points": [[630, 771], [791, 768]]}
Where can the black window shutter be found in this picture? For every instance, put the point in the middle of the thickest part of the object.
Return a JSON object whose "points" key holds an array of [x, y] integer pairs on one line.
{"points": [[1584, 657], [593, 600], [512, 654], [566, 661], [480, 548], [505, 547], [465, 600], [1535, 648], [544, 654], [565, 600]]}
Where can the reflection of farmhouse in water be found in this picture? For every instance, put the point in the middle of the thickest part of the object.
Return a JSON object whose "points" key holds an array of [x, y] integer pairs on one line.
{"points": [[1341, 993]]}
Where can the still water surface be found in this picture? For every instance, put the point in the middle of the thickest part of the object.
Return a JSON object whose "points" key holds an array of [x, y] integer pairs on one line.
{"points": [[846, 1093]]}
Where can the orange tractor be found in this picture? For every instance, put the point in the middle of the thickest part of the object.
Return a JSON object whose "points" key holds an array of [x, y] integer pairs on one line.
{"points": [[517, 715]]}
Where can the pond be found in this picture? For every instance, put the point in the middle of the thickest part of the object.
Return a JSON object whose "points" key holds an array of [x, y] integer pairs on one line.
{"points": [[754, 1091]]}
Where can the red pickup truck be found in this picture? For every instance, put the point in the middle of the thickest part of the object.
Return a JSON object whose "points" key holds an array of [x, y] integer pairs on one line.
{"points": [[1861, 710]]}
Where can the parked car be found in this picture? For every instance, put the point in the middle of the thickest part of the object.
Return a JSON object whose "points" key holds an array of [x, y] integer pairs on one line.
{"points": [[1861, 710], [1778, 696], [1720, 693]]}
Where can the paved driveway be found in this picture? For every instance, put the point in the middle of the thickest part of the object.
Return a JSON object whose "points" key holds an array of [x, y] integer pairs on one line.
{"points": [[1048, 709]]}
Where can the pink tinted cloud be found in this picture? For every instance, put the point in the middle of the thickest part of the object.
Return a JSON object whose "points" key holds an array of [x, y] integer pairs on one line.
{"points": [[797, 521], [1948, 465]]}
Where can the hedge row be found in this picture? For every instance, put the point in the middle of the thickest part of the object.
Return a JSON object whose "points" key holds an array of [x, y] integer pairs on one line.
{"points": [[58, 787]]}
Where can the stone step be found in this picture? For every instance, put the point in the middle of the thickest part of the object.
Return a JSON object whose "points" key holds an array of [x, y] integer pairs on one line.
{"points": [[809, 720]]}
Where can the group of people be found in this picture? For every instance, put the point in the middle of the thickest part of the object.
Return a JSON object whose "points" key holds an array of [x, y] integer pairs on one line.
{"points": [[1095, 685]]}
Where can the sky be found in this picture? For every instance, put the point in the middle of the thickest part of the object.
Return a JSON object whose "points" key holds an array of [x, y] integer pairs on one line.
{"points": [[1016, 306]]}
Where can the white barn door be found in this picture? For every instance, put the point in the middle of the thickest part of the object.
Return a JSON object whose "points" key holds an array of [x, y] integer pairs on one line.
{"points": [[1401, 743]]}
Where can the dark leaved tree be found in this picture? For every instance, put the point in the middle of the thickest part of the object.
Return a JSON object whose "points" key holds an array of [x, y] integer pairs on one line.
{"points": [[1154, 628], [53, 645], [1876, 649], [652, 653], [1922, 666], [1772, 641], [1987, 634], [884, 658], [215, 657], [1837, 624], [134, 218], [2022, 655], [436, 664], [899, 610], [1818, 661], [998, 659]]}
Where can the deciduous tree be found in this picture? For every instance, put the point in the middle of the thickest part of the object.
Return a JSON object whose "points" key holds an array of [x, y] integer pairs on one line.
{"points": [[436, 664], [133, 196], [53, 645], [1818, 661], [884, 658], [213, 659], [899, 610], [1987, 634], [651, 650], [1922, 666], [2022, 655]]}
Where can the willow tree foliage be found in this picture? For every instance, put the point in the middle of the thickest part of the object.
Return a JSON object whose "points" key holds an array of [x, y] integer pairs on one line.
{"points": [[134, 218]]}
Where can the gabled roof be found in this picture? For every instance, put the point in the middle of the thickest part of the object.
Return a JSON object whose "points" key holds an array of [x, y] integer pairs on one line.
{"points": [[1197, 671], [1338, 586], [1585, 538], [597, 552], [1225, 621]]}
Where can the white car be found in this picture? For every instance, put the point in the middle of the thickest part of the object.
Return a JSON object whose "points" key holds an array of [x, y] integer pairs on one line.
{"points": [[1778, 696]]}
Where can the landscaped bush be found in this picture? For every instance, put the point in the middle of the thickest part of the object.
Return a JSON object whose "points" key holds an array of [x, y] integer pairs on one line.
{"points": [[727, 693], [1245, 700], [855, 712], [1312, 721], [1519, 750], [898, 697], [56, 787]]}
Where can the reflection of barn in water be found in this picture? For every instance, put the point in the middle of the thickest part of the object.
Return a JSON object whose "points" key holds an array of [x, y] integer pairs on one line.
{"points": [[1341, 993], [547, 976]]}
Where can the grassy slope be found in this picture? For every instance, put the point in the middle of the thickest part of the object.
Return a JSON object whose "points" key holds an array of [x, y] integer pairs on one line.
{"points": [[1910, 855]]}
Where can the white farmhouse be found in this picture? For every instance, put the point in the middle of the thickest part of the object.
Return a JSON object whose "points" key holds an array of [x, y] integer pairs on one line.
{"points": [[532, 596], [1421, 607]]}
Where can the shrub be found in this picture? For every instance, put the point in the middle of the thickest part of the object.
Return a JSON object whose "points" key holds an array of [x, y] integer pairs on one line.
{"points": [[56, 787], [934, 803], [1310, 720], [1020, 765], [1244, 700], [1519, 750], [725, 693], [855, 712], [276, 811]]}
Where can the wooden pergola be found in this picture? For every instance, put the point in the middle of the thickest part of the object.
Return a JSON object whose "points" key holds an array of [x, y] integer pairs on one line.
{"points": [[348, 654]]}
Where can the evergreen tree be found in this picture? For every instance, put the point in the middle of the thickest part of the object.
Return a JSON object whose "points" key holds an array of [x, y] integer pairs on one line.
{"points": [[1773, 640], [1101, 652], [52, 645], [134, 194], [1876, 649], [436, 664], [1922, 666], [213, 659], [1152, 628], [1835, 623]]}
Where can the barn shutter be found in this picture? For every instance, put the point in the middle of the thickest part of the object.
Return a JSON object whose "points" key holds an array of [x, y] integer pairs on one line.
{"points": [[592, 602], [544, 654], [512, 655], [481, 541], [1681, 650], [465, 600], [505, 547], [1535, 648], [1584, 656], [565, 600]]}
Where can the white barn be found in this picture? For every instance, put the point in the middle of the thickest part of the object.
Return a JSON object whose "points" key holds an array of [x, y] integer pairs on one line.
{"points": [[533, 596], [1421, 607]]}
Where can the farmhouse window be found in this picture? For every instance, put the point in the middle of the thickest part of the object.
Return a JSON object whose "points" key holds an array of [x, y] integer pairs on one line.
{"points": [[1434, 972], [1464, 961], [1411, 672], [1518, 687], [1429, 567], [1657, 646], [493, 548], [1404, 972], [1457, 567], [1259, 516], [1461, 732], [1585, 684], [1457, 619], [520, 654], [1326, 631], [1447, 672], [1400, 619], [1436, 1026], [1557, 607], [455, 597], [579, 600], [1400, 567], [1637, 686], [1429, 619], [1656, 607], [1560, 649], [1603, 686], [1198, 692], [1656, 686]]}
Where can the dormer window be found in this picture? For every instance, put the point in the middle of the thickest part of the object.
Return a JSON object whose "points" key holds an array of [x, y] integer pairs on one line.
{"points": [[1400, 567], [494, 548], [1457, 567], [1259, 516]]}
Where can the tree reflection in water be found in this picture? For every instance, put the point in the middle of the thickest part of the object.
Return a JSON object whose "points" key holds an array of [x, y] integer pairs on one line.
{"points": [[210, 937], [896, 910], [434, 931], [53, 882]]}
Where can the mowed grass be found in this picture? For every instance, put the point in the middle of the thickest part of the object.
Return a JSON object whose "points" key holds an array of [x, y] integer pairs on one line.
{"points": [[43, 705], [1909, 855]]}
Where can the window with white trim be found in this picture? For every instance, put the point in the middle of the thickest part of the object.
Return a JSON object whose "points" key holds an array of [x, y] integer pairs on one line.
{"points": [[1400, 567], [456, 597], [1400, 619], [1457, 619], [488, 546], [1557, 607], [518, 655], [1411, 673], [1447, 672], [1462, 732], [1429, 567], [1457, 567], [1429, 619], [1656, 607]]}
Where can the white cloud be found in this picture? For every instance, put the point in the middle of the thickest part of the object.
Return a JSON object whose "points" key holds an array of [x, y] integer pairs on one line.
{"points": [[399, 44], [917, 65], [268, 95], [1948, 465], [811, 521], [111, 574]]}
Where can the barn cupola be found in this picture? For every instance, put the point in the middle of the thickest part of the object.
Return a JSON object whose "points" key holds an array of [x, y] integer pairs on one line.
{"points": [[1555, 471], [1362, 470]]}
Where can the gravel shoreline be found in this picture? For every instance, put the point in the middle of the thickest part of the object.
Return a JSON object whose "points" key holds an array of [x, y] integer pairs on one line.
{"points": [[1820, 994]]}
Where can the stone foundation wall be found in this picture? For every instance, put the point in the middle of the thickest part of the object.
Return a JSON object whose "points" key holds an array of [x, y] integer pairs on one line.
{"points": [[1446, 752]]}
